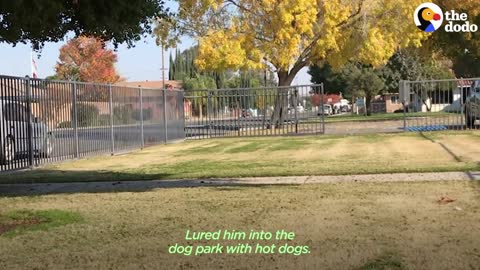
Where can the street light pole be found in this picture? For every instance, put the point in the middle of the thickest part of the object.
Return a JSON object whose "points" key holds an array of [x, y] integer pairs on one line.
{"points": [[163, 66]]}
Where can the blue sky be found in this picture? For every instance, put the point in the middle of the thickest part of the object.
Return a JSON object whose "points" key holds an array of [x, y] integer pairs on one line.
{"points": [[143, 62]]}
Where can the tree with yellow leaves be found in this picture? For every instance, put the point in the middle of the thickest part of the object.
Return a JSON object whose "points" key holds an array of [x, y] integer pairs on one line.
{"points": [[288, 35]]}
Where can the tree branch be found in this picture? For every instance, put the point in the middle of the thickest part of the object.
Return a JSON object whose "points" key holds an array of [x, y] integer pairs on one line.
{"points": [[243, 8], [352, 18]]}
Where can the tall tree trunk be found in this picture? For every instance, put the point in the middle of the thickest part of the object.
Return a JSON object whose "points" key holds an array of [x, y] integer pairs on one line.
{"points": [[368, 104], [281, 100]]}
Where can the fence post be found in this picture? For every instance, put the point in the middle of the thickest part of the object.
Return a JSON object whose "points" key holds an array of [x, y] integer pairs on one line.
{"points": [[165, 114], [142, 135], [75, 118], [403, 96], [295, 100], [30, 122], [182, 95], [110, 106], [208, 114], [323, 108]]}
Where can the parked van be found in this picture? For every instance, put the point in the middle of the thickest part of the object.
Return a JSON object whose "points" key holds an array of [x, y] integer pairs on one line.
{"points": [[14, 135]]}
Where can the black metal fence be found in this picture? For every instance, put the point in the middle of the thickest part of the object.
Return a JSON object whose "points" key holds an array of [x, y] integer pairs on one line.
{"points": [[255, 112], [441, 104], [44, 121]]}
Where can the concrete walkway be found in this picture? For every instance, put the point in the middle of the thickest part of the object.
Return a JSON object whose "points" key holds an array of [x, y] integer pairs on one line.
{"points": [[140, 186]]}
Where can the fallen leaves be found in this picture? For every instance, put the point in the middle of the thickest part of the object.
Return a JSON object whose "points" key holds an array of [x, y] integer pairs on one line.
{"points": [[445, 200]]}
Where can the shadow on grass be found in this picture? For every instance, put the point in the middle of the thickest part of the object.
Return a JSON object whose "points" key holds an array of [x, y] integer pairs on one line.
{"points": [[44, 182], [68, 176]]}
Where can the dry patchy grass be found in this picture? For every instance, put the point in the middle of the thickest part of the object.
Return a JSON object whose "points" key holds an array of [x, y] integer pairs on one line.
{"points": [[278, 156], [346, 226]]}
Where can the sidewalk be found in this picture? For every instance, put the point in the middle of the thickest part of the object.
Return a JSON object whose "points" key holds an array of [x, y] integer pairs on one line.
{"points": [[139, 186]]}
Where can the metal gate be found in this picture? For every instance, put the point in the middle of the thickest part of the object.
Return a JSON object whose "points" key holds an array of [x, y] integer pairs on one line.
{"points": [[293, 110], [440, 104]]}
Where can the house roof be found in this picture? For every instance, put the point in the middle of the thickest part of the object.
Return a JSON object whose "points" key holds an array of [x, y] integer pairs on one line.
{"points": [[465, 83], [152, 84]]}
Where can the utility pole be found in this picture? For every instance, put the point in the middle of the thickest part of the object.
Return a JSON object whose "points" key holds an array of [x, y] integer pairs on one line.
{"points": [[163, 66]]}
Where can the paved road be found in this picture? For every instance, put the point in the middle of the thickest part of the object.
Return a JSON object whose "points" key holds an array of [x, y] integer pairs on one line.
{"points": [[98, 140], [139, 186]]}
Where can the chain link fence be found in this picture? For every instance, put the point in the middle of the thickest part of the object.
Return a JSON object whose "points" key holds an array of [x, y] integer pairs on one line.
{"points": [[44, 121]]}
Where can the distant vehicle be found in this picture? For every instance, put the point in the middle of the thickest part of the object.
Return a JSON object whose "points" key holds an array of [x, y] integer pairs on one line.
{"points": [[472, 105], [327, 109], [14, 139], [299, 109], [246, 113]]}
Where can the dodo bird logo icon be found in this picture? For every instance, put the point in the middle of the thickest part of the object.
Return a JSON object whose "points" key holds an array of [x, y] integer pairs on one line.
{"points": [[428, 17]]}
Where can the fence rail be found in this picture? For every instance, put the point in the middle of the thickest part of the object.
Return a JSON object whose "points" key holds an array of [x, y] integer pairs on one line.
{"points": [[254, 112], [45, 121], [441, 104]]}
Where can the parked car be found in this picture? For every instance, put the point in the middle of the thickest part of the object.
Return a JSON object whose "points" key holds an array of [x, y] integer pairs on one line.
{"points": [[472, 105], [299, 109], [14, 138], [246, 113], [327, 109]]}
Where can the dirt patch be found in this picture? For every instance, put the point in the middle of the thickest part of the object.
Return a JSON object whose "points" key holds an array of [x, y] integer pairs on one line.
{"points": [[445, 200], [7, 224]]}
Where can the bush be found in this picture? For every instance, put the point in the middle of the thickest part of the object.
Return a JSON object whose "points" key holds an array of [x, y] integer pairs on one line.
{"points": [[66, 124], [401, 110], [87, 115], [147, 114], [104, 120], [123, 115]]}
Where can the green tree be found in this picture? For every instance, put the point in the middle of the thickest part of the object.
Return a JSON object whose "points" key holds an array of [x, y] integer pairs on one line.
{"points": [[49, 21], [333, 81], [463, 48], [415, 64], [183, 68], [364, 81], [199, 98], [171, 70]]}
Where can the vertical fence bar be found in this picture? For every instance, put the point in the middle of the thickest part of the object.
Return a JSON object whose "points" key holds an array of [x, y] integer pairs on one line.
{"points": [[189, 112], [403, 92], [110, 107], [142, 132], [208, 114], [165, 127], [28, 81], [75, 118], [322, 108], [295, 105]]}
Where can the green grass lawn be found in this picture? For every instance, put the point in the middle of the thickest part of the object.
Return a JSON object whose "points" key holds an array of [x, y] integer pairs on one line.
{"points": [[345, 226], [274, 156]]}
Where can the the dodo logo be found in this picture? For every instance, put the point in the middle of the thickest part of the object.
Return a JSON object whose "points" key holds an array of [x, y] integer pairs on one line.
{"points": [[428, 17]]}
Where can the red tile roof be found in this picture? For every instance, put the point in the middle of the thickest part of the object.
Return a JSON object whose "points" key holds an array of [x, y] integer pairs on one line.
{"points": [[465, 83], [332, 98]]}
